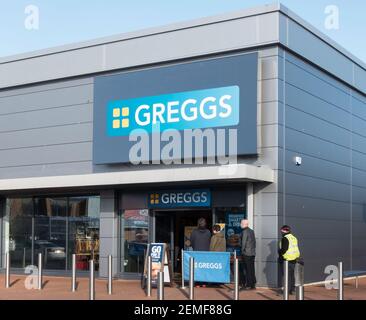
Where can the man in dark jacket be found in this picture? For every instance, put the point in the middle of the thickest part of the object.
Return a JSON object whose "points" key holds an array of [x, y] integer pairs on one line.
{"points": [[248, 246], [200, 240], [201, 237]]}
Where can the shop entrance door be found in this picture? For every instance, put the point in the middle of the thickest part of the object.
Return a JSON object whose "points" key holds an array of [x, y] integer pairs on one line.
{"points": [[173, 227]]}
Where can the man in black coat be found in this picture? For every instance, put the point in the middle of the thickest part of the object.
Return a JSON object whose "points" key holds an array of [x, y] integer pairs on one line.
{"points": [[201, 237], [200, 240]]}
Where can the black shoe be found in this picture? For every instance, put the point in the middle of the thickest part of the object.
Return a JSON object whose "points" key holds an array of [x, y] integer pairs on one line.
{"points": [[250, 288]]}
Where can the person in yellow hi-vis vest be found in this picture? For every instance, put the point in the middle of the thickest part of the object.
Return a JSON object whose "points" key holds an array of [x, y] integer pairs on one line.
{"points": [[289, 250]]}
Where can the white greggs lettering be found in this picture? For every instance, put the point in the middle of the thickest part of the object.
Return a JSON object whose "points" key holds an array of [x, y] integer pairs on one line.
{"points": [[208, 108], [189, 110], [187, 197]]}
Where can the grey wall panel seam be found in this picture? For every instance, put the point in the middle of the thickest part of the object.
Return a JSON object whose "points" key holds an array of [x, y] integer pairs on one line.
{"points": [[321, 79], [48, 108], [319, 118], [317, 137], [47, 145], [45, 127], [44, 90], [356, 98], [317, 177], [337, 78], [187, 27], [317, 97], [315, 198], [319, 158], [46, 163]]}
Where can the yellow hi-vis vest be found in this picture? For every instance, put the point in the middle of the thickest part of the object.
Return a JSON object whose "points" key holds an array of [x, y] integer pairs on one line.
{"points": [[293, 251]]}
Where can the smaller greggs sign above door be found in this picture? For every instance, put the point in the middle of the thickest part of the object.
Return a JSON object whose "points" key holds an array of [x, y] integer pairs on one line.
{"points": [[180, 198]]}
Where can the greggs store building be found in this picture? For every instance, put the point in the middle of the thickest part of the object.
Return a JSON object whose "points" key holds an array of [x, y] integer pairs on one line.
{"points": [[108, 145]]}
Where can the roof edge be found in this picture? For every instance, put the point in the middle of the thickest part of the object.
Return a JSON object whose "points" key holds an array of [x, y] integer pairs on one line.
{"points": [[248, 12]]}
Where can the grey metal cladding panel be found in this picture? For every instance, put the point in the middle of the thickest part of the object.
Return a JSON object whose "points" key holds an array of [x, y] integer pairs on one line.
{"points": [[315, 167], [359, 142], [164, 46], [299, 206], [268, 249], [304, 65], [318, 253], [269, 90], [265, 203], [46, 118], [45, 155], [267, 156], [305, 228], [269, 135], [359, 160], [266, 226], [44, 97], [316, 188], [45, 86], [360, 78], [306, 144], [358, 195], [269, 67], [309, 103], [42, 170], [316, 86], [191, 42], [359, 213], [359, 106], [47, 136], [316, 50], [359, 126], [314, 126], [269, 113]]}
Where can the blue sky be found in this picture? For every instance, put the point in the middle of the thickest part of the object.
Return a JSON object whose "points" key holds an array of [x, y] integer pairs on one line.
{"points": [[68, 21]]}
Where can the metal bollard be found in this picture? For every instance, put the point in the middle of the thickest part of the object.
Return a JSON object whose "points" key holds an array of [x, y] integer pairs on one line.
{"points": [[148, 285], [191, 278], [7, 270], [300, 292], [91, 280], [24, 258], [182, 258], [236, 279], [160, 285], [110, 280], [340, 281], [40, 271], [73, 277], [285, 281]]}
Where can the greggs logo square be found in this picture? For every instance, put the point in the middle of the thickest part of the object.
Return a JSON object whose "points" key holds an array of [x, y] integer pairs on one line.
{"points": [[218, 107]]}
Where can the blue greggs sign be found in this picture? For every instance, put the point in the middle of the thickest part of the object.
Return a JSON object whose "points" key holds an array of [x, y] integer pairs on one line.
{"points": [[217, 107], [209, 266], [216, 95], [180, 198]]}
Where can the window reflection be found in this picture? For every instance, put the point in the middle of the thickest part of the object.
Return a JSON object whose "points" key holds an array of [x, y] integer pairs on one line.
{"points": [[84, 230], [18, 231], [135, 231], [50, 231], [56, 227]]}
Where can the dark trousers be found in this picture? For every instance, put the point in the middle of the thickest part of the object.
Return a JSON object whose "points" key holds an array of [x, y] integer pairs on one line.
{"points": [[247, 272], [291, 275]]}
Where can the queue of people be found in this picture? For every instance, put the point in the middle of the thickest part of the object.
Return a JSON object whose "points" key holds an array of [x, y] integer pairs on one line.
{"points": [[288, 249], [202, 240]]}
